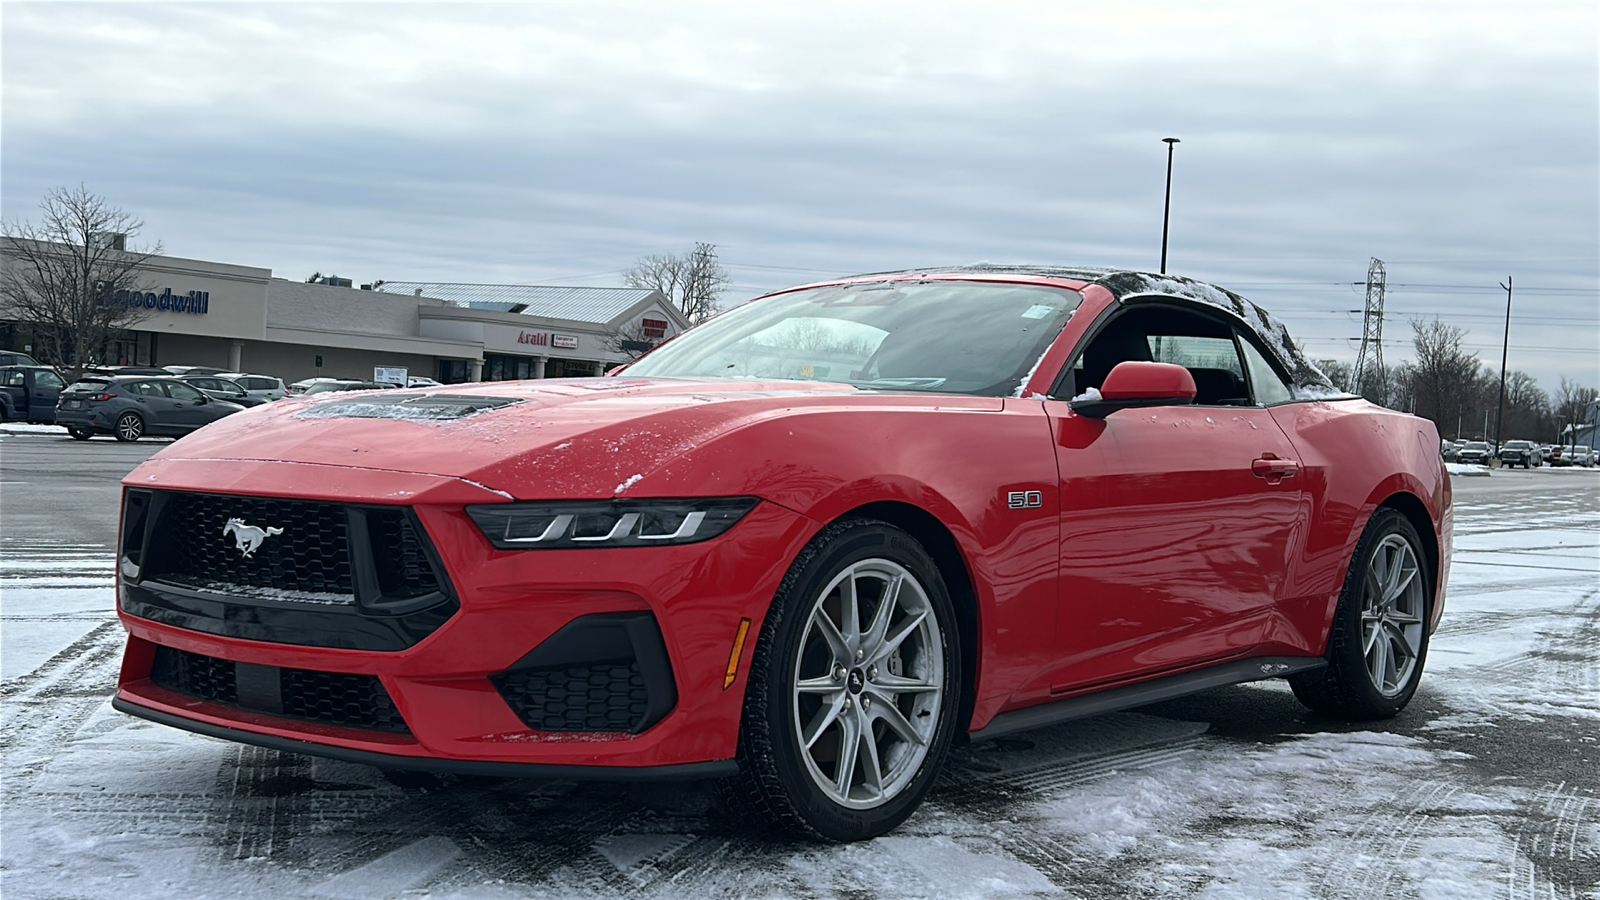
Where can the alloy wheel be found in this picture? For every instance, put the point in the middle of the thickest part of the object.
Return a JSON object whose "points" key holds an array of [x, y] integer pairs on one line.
{"points": [[1392, 605], [869, 684]]}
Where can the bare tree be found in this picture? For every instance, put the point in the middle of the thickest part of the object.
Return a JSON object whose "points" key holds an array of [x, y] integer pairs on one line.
{"points": [[1445, 378], [1527, 413], [693, 281], [69, 277], [1572, 402], [633, 341], [1337, 371]]}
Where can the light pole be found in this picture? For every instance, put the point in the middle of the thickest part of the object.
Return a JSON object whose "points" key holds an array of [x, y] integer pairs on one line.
{"points": [[1166, 210]]}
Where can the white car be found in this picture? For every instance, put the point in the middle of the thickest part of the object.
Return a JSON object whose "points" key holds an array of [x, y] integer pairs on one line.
{"points": [[264, 386]]}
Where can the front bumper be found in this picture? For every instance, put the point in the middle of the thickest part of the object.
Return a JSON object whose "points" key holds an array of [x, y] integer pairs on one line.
{"points": [[444, 685]]}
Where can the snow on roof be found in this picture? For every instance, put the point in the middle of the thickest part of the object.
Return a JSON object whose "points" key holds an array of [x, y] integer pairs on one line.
{"points": [[579, 304]]}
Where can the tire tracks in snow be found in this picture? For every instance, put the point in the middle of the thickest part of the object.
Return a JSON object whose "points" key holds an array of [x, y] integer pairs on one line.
{"points": [[46, 707], [1553, 853]]}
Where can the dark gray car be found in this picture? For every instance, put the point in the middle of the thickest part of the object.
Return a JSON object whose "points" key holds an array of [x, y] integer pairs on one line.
{"points": [[132, 406]]}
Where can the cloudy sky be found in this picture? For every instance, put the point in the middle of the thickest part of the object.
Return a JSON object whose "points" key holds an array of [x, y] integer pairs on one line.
{"points": [[554, 143]]}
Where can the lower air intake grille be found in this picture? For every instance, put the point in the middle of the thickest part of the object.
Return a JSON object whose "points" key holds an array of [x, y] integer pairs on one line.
{"points": [[334, 698], [577, 698]]}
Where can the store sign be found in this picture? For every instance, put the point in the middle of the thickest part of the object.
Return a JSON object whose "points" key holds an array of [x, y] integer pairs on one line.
{"points": [[655, 328], [534, 337], [197, 302], [564, 341]]}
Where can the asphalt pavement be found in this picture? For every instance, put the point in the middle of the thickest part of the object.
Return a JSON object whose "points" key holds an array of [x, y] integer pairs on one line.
{"points": [[1488, 785]]}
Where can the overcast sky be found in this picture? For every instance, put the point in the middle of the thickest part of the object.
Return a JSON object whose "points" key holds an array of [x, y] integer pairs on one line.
{"points": [[554, 143]]}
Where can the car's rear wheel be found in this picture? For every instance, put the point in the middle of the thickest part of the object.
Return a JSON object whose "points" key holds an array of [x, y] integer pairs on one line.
{"points": [[853, 687], [79, 433], [129, 427], [1380, 632]]}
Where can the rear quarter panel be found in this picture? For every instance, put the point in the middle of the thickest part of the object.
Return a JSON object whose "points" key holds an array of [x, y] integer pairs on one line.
{"points": [[1355, 457]]}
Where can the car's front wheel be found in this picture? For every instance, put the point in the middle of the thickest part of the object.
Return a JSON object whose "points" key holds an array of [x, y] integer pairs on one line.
{"points": [[1380, 629], [129, 427], [853, 687]]}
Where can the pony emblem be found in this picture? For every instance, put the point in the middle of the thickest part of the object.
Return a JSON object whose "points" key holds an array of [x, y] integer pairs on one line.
{"points": [[248, 537]]}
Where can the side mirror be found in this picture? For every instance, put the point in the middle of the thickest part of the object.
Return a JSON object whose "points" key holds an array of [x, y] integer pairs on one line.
{"points": [[1135, 385]]}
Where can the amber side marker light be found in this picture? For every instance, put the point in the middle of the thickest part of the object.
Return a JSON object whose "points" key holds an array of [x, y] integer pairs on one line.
{"points": [[733, 658]]}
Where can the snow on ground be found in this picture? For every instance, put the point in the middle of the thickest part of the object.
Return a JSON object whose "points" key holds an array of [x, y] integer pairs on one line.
{"points": [[1488, 786]]}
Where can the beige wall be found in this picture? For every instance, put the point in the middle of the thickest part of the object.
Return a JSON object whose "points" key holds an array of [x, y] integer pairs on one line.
{"points": [[237, 306]]}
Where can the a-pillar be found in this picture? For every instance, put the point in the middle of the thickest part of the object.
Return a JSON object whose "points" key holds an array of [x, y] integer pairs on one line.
{"points": [[236, 356]]}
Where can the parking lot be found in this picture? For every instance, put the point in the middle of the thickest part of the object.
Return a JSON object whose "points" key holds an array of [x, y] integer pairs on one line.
{"points": [[1487, 786]]}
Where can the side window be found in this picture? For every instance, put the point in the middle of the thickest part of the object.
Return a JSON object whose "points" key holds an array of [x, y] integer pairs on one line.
{"points": [[146, 389], [182, 392], [16, 379], [1168, 332], [1265, 383], [50, 381]]}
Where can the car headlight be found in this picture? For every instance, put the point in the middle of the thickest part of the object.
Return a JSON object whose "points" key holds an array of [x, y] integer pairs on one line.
{"points": [[607, 523]]}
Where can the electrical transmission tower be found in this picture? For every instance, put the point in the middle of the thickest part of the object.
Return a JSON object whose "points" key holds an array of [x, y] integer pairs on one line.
{"points": [[1369, 362]]}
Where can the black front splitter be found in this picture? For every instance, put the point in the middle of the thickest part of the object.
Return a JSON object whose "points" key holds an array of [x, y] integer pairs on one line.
{"points": [[713, 769]]}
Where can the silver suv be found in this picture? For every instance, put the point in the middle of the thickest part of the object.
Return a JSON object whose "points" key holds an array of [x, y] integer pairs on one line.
{"points": [[264, 386]]}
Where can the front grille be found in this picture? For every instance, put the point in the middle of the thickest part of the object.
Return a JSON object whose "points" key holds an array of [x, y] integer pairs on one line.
{"points": [[334, 698], [205, 677], [577, 698], [306, 572], [311, 554]]}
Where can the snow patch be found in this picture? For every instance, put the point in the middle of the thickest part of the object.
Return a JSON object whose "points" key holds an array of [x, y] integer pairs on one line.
{"points": [[632, 480]]}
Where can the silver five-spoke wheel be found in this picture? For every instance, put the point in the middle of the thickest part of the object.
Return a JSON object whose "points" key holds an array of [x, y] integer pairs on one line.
{"points": [[869, 683], [1378, 638], [1392, 606]]}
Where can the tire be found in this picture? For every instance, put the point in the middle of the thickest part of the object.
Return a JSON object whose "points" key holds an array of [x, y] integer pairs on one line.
{"points": [[897, 675], [1390, 612], [129, 427], [79, 433]]}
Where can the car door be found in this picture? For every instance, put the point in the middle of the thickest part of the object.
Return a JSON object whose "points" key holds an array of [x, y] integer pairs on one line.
{"points": [[149, 399], [43, 394], [1177, 522], [190, 408]]}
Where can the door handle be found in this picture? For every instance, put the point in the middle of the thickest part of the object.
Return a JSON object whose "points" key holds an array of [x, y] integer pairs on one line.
{"points": [[1273, 469]]}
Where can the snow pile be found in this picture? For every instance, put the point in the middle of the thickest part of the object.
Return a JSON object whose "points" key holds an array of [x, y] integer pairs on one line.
{"points": [[1466, 469]]}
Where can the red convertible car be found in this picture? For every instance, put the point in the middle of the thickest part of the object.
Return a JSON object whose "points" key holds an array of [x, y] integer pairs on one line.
{"points": [[800, 549]]}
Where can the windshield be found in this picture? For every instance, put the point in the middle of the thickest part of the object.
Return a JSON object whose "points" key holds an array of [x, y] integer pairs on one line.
{"points": [[950, 336], [1477, 445]]}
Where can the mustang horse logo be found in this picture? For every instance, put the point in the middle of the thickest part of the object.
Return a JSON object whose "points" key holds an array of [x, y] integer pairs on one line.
{"points": [[248, 537]]}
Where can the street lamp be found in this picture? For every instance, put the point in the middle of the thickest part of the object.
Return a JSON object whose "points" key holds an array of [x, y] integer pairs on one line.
{"points": [[1166, 211]]}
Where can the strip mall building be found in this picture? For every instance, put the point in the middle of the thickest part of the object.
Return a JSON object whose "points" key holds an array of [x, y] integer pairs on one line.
{"points": [[243, 319]]}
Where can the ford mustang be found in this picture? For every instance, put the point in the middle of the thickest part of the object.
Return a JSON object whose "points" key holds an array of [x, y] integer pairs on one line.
{"points": [[799, 550]]}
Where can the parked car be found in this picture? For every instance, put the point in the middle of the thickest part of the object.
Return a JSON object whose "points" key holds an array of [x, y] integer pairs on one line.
{"points": [[218, 388], [1448, 450], [1577, 455], [1475, 453], [264, 386], [1521, 453], [129, 407], [28, 393], [124, 370], [193, 370], [13, 358], [299, 387], [988, 500], [421, 381], [343, 384]]}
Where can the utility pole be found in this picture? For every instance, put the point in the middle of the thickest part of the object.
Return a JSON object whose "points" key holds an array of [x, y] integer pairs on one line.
{"points": [[1369, 361], [1166, 210], [1505, 344]]}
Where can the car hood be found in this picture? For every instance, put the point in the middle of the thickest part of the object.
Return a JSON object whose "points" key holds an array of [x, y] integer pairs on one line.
{"points": [[557, 438]]}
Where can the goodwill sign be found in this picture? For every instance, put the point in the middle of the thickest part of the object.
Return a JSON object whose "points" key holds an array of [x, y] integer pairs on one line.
{"points": [[198, 302]]}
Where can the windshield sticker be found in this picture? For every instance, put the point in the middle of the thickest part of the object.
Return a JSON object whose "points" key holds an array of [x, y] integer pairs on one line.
{"points": [[1040, 311]]}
